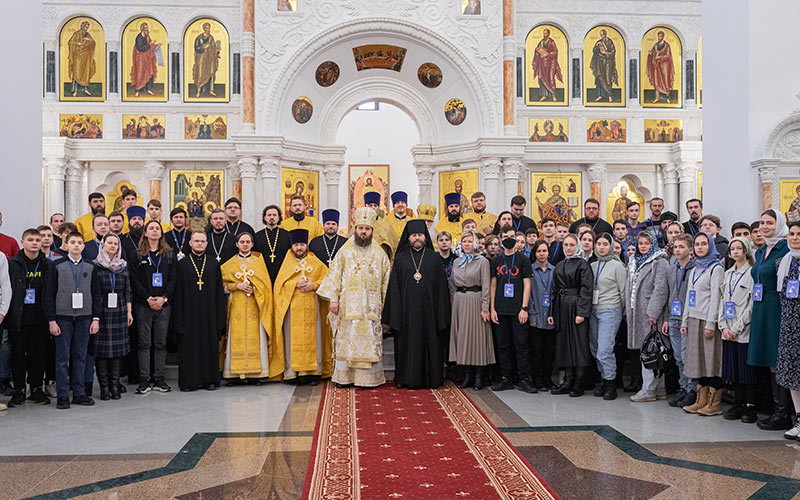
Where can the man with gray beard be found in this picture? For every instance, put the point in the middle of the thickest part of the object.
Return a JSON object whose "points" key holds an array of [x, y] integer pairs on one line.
{"points": [[356, 287]]}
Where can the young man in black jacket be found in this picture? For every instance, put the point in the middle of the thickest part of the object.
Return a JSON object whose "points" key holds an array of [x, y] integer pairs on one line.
{"points": [[28, 334]]}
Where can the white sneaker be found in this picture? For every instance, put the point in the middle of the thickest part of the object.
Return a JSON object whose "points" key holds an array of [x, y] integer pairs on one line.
{"points": [[643, 397], [793, 432], [50, 389], [661, 393], [3, 407]]}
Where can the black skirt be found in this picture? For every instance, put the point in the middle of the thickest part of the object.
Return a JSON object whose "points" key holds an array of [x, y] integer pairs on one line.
{"points": [[734, 364]]}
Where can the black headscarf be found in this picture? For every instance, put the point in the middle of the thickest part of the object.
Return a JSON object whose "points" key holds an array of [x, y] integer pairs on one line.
{"points": [[413, 227]]}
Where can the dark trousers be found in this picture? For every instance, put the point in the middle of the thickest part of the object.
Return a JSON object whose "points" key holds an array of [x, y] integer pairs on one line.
{"points": [[543, 346], [28, 355], [71, 348], [50, 367], [153, 326], [512, 344]]}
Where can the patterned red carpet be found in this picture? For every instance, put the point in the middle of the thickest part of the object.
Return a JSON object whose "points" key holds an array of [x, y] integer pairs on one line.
{"points": [[390, 443]]}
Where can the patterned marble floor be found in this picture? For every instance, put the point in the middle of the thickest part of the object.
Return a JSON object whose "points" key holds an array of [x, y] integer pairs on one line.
{"points": [[233, 459]]}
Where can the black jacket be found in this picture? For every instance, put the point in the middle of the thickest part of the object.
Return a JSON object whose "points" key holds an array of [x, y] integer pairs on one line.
{"points": [[17, 274], [142, 278]]}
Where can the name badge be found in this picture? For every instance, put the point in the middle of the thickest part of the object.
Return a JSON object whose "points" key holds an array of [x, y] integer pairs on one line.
{"points": [[596, 297], [77, 300], [158, 279], [508, 290], [758, 292], [112, 300], [677, 308], [730, 310], [30, 296], [546, 300], [692, 298], [792, 289]]}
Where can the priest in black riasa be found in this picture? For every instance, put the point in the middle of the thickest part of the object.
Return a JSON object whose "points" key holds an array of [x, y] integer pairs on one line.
{"points": [[199, 313], [325, 246], [272, 242], [417, 310]]}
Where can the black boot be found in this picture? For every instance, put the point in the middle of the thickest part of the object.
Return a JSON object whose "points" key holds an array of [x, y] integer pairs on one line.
{"points": [[565, 387], [114, 368], [780, 420], [88, 388], [101, 365], [5, 387], [600, 389], [577, 388], [469, 377], [480, 373], [610, 393]]}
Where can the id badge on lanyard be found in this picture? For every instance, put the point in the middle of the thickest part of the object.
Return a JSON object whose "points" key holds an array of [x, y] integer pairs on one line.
{"points": [[158, 280], [730, 310], [758, 292], [792, 289], [677, 308], [112, 300], [508, 290], [692, 298], [30, 296], [546, 300]]}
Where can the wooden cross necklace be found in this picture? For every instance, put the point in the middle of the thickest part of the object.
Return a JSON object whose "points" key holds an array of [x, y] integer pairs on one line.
{"points": [[200, 272], [330, 253], [272, 246]]}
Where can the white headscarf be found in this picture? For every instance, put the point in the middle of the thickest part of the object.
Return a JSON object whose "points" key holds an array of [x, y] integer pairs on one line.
{"points": [[781, 229]]}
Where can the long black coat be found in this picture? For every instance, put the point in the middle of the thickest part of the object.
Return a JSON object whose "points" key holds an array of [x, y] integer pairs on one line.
{"points": [[572, 296]]}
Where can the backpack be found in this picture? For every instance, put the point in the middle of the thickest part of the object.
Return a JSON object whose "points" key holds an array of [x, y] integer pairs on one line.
{"points": [[655, 354]]}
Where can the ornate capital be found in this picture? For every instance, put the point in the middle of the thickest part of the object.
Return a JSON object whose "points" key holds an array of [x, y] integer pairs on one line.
{"points": [[154, 170], [270, 167], [767, 174], [596, 172], [491, 168], [670, 172], [425, 175], [687, 171], [56, 169], [74, 171], [333, 174], [512, 169], [233, 170], [248, 167]]}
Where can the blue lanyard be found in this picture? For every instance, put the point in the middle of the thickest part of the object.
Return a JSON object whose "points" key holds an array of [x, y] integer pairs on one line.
{"points": [[599, 270], [517, 224], [113, 281], [691, 228], [156, 265], [558, 245], [545, 284], [694, 273], [76, 276], [731, 287], [508, 269], [183, 240], [683, 277], [35, 270]]}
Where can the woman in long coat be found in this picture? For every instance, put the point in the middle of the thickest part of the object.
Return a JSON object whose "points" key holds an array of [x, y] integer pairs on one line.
{"points": [[646, 305], [571, 308], [112, 342], [470, 328]]}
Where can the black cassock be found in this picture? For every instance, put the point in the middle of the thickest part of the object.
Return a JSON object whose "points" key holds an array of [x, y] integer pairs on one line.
{"points": [[572, 296], [418, 314], [221, 244], [278, 239], [325, 248], [199, 321]]}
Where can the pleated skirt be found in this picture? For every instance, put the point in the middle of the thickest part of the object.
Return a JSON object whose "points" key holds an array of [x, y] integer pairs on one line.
{"points": [[470, 336], [703, 356], [734, 363]]}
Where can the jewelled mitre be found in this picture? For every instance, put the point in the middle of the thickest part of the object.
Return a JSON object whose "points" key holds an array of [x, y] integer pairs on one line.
{"points": [[426, 212], [365, 216]]}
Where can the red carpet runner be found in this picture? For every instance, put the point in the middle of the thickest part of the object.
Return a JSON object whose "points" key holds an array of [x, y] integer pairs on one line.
{"points": [[390, 443]]}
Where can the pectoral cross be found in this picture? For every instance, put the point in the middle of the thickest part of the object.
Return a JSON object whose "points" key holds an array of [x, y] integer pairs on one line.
{"points": [[200, 285], [272, 258], [302, 267], [244, 274]]}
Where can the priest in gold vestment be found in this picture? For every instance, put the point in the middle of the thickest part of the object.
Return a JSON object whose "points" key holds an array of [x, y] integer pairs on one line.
{"points": [[244, 349], [452, 222], [356, 287], [389, 228], [296, 345], [299, 219]]}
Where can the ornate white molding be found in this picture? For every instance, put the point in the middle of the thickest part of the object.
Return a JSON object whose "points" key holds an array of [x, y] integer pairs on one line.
{"points": [[687, 172], [154, 170], [56, 169], [512, 169], [425, 175], [333, 174], [491, 168], [74, 171], [784, 140], [670, 173], [248, 167], [596, 172], [270, 168], [509, 48], [768, 174], [233, 171]]}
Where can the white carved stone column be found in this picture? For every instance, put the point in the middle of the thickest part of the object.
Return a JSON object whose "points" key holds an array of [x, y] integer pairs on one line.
{"points": [[248, 168], [669, 172], [236, 180], [270, 173], [770, 187], [56, 173], [154, 170], [491, 184], [425, 179], [687, 177], [72, 190], [512, 171], [333, 174], [597, 176]]}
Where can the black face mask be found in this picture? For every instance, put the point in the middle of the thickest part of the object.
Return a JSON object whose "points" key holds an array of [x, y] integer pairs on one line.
{"points": [[509, 243]]}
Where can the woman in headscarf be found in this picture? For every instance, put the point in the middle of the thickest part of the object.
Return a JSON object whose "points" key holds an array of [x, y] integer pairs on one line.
{"points": [[787, 371], [470, 330], [571, 308], [734, 316], [645, 306], [112, 343], [765, 327], [610, 279], [703, 356]]}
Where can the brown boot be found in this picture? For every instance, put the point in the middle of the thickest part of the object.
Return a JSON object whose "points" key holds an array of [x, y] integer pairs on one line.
{"points": [[714, 406], [701, 402]]}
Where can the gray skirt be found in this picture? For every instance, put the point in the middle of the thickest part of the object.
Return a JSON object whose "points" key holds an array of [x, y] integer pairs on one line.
{"points": [[470, 336], [703, 357]]}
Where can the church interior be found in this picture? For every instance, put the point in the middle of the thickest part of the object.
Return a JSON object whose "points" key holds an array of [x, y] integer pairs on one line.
{"points": [[191, 103]]}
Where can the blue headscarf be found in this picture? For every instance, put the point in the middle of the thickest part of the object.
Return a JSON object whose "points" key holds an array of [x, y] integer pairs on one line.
{"points": [[466, 258], [642, 258], [712, 257]]}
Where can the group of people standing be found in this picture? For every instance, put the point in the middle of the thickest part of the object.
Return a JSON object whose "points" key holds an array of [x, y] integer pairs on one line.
{"points": [[501, 300]]}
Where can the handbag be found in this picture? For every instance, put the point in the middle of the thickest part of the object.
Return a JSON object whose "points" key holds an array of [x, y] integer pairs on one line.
{"points": [[655, 354]]}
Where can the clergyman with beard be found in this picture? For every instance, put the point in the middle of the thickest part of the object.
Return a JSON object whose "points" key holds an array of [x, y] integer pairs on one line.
{"points": [[130, 245], [417, 310], [356, 287]]}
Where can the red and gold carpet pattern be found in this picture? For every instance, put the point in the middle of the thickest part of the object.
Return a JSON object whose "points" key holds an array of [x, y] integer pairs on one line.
{"points": [[390, 443]]}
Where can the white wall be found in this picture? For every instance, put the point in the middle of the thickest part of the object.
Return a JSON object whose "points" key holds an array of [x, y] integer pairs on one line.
{"points": [[21, 130], [379, 138]]}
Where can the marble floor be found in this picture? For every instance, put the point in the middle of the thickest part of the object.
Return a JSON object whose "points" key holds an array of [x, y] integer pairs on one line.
{"points": [[255, 442]]}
